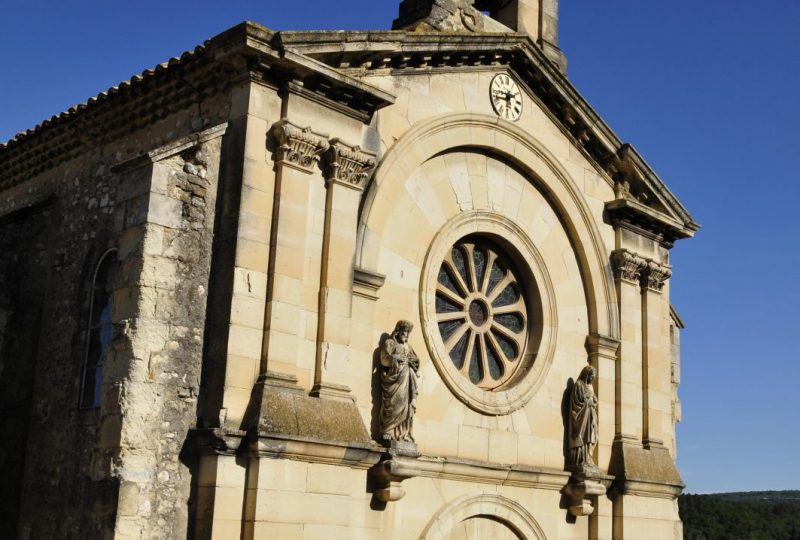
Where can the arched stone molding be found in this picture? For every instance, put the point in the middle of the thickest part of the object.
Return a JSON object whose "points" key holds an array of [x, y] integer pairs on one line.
{"points": [[507, 142], [497, 507]]}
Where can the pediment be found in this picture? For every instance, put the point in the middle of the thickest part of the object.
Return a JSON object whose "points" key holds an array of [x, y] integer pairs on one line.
{"points": [[332, 68], [642, 200]]}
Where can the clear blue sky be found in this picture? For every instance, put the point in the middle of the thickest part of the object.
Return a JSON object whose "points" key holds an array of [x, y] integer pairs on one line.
{"points": [[709, 93]]}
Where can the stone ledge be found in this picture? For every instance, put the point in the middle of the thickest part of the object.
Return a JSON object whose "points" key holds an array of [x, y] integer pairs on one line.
{"points": [[364, 456], [643, 470], [278, 406]]}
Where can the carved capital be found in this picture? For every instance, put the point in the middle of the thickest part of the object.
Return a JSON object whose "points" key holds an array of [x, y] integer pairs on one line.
{"points": [[298, 147], [655, 275], [627, 265], [348, 164]]}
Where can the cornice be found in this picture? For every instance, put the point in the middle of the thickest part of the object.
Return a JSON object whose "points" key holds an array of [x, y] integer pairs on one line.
{"points": [[361, 456], [245, 53], [179, 84], [643, 201], [676, 317], [333, 69]]}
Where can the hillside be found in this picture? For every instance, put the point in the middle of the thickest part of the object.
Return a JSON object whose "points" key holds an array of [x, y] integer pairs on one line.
{"points": [[754, 515]]}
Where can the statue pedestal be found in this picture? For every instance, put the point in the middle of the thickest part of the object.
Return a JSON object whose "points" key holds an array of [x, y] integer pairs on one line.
{"points": [[582, 487], [390, 471], [402, 448]]}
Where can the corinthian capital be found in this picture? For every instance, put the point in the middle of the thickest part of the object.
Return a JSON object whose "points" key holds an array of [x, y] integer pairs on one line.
{"points": [[655, 275], [348, 164], [298, 147], [627, 265]]}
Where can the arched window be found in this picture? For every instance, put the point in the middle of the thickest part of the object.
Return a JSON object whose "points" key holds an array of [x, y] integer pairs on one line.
{"points": [[99, 333]]}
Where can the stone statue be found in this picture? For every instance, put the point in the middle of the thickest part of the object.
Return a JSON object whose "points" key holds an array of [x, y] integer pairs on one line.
{"points": [[398, 385], [582, 434]]}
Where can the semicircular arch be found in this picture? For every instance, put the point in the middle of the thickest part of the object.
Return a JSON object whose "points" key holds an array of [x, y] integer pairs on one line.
{"points": [[509, 143], [496, 507]]}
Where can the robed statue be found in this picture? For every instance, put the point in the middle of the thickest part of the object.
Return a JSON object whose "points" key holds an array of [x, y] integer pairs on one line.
{"points": [[399, 365], [582, 426]]}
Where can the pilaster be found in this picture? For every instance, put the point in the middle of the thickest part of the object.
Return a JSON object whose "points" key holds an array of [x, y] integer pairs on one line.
{"points": [[347, 170], [628, 269], [655, 360], [247, 214], [297, 154]]}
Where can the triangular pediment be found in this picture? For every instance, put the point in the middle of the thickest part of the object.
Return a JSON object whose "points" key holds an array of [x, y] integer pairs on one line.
{"points": [[642, 199], [333, 68]]}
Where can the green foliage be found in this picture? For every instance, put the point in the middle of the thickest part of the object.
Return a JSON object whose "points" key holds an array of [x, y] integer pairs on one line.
{"points": [[756, 515]]}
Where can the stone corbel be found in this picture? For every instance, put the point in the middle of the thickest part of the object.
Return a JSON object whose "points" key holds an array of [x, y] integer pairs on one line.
{"points": [[396, 465], [298, 147], [655, 275], [581, 488], [627, 265], [348, 165]]}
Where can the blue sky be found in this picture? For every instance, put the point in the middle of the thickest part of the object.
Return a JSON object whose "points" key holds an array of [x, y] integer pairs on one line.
{"points": [[707, 91]]}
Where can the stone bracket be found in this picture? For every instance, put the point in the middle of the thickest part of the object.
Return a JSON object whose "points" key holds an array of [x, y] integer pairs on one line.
{"points": [[388, 473], [580, 489]]}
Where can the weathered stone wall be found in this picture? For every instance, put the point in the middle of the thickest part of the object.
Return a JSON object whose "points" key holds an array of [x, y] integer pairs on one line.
{"points": [[161, 308], [53, 230], [61, 496], [25, 263]]}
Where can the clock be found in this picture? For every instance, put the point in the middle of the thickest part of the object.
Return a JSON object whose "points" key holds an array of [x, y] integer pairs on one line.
{"points": [[506, 97]]}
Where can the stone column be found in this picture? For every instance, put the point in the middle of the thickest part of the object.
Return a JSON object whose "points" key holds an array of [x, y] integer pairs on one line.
{"points": [[655, 360], [346, 176], [297, 155], [627, 272]]}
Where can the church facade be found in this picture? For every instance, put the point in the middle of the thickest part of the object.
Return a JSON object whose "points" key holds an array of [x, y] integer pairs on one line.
{"points": [[391, 284]]}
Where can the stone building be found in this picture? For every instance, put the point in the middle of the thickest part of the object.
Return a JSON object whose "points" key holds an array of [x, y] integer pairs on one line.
{"points": [[201, 268]]}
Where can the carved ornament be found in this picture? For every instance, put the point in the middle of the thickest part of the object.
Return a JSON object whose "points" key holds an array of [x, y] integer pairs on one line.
{"points": [[298, 147], [647, 272], [348, 164], [627, 265], [443, 15], [655, 275]]}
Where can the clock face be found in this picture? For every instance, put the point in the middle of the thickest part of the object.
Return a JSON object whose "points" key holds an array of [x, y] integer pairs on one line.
{"points": [[506, 97]]}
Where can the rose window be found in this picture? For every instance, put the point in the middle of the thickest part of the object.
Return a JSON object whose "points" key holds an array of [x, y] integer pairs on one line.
{"points": [[481, 313]]}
